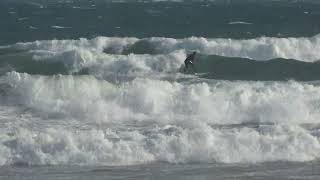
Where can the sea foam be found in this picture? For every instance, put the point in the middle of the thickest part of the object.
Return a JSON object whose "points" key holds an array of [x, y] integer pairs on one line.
{"points": [[263, 48], [95, 122]]}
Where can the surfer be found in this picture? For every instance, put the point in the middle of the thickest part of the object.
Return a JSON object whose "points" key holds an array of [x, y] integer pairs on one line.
{"points": [[189, 61]]}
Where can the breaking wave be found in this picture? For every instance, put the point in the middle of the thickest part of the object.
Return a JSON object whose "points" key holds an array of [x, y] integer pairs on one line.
{"points": [[126, 58], [264, 48], [127, 101], [93, 121]]}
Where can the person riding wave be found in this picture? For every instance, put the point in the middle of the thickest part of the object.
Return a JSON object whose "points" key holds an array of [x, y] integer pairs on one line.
{"points": [[189, 61]]}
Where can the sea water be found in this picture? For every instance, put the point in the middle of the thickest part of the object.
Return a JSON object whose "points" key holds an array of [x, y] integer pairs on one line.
{"points": [[98, 89]]}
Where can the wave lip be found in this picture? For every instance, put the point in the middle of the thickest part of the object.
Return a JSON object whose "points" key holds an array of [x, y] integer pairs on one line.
{"points": [[263, 48]]}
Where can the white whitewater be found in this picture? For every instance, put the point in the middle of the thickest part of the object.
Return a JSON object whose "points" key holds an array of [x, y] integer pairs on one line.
{"points": [[156, 114], [264, 48], [82, 120]]}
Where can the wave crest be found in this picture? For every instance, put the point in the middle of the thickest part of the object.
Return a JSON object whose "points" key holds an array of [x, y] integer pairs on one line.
{"points": [[264, 48]]}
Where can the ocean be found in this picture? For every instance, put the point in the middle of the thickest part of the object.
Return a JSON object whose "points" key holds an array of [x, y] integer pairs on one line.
{"points": [[97, 89]]}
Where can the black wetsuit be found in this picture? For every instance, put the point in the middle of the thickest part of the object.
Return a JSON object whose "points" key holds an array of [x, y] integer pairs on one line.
{"points": [[189, 61]]}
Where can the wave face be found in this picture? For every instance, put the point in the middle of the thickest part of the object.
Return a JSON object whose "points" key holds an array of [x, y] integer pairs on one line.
{"points": [[127, 101], [127, 58]]}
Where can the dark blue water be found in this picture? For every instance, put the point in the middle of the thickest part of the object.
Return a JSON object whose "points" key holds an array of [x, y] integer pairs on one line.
{"points": [[26, 21]]}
